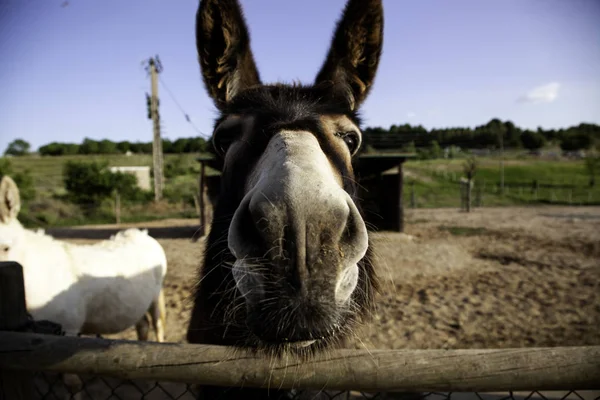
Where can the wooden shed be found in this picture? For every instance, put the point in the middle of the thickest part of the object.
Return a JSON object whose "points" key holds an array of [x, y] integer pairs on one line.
{"points": [[380, 179]]}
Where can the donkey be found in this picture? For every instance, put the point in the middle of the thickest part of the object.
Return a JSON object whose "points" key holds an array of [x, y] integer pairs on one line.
{"points": [[102, 288], [287, 265]]}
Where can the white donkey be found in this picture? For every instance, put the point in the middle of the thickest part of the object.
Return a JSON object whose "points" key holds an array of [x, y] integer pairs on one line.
{"points": [[102, 288]]}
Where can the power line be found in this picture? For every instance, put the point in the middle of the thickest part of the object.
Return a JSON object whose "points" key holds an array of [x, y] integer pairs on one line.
{"points": [[186, 116]]}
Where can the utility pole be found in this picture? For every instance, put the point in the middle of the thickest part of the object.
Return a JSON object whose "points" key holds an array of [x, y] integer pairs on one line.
{"points": [[502, 163], [155, 67]]}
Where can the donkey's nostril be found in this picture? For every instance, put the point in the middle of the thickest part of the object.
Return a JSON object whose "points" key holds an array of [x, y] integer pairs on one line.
{"points": [[244, 237], [346, 284]]}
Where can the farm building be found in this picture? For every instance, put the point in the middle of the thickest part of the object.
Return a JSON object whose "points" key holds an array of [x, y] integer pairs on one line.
{"points": [[380, 187], [142, 173]]}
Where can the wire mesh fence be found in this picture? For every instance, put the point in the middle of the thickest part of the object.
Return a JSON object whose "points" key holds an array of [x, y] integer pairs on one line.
{"points": [[52, 386]]}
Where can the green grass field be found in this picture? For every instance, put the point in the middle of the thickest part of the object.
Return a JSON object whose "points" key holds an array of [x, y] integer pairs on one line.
{"points": [[48, 171], [428, 184], [435, 182]]}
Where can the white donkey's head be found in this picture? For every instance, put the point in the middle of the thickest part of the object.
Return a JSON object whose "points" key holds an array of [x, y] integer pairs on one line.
{"points": [[11, 231]]}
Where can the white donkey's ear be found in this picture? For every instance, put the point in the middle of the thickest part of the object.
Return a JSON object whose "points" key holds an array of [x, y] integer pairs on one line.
{"points": [[10, 201]]}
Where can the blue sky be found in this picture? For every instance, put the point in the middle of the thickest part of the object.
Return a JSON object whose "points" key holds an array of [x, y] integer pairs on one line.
{"points": [[74, 70]]}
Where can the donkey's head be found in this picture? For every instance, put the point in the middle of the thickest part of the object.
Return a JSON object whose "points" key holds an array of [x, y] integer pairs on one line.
{"points": [[11, 231], [287, 226]]}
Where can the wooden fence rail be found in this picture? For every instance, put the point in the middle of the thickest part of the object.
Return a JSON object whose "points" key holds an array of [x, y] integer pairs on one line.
{"points": [[560, 368], [486, 370]]}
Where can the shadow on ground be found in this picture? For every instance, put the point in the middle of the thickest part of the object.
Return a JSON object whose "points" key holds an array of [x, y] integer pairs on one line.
{"points": [[171, 232]]}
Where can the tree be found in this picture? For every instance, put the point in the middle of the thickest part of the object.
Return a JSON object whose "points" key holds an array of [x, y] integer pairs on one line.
{"points": [[59, 149], [179, 145], [410, 148], [532, 140], [574, 140], [17, 147], [106, 146], [513, 135], [167, 146], [89, 146], [435, 150], [195, 145], [124, 146]]}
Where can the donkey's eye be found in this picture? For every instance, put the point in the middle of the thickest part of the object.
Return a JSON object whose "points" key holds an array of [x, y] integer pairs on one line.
{"points": [[221, 143], [5, 249], [352, 141], [224, 137]]}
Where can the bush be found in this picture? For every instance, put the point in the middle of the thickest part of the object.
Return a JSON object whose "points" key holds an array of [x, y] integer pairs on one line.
{"points": [[91, 183], [181, 190], [176, 167]]}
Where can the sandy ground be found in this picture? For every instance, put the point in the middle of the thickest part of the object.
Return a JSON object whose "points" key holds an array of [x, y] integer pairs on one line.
{"points": [[512, 277], [494, 278]]}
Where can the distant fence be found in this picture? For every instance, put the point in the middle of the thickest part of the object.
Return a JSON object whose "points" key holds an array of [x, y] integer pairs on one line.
{"points": [[30, 364], [448, 191]]}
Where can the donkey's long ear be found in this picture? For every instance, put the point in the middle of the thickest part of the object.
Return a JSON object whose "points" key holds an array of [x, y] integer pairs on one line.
{"points": [[355, 51], [10, 201], [223, 44]]}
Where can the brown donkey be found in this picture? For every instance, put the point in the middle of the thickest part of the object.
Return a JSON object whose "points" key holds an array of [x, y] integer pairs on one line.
{"points": [[287, 263]]}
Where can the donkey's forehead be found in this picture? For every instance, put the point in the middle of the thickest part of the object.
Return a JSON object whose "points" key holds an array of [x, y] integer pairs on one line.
{"points": [[289, 102], [323, 126]]}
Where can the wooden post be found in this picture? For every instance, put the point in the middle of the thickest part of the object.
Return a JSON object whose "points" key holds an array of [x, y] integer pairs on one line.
{"points": [[13, 315], [400, 197], [117, 208], [157, 151], [202, 185], [570, 196], [197, 204], [469, 186], [463, 196]]}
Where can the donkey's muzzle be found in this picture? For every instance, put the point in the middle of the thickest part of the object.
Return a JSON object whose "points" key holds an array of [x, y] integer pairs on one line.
{"points": [[307, 248]]}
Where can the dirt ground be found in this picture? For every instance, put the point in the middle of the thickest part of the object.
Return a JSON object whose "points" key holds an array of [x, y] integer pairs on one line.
{"points": [[497, 277], [494, 278]]}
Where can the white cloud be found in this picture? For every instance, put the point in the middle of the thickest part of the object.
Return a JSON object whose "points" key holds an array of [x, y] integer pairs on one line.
{"points": [[542, 94], [411, 114]]}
